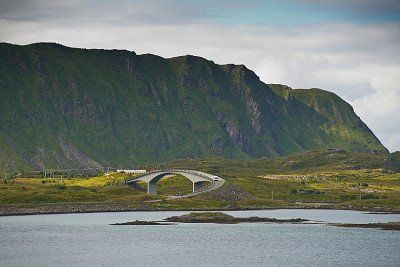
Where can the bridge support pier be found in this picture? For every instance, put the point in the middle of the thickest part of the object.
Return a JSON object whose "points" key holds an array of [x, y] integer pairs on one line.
{"points": [[152, 188], [197, 186]]}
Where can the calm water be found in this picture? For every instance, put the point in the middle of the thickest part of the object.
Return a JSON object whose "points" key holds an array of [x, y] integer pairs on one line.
{"points": [[88, 239]]}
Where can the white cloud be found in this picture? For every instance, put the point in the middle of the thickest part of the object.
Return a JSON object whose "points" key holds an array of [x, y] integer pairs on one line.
{"points": [[361, 63]]}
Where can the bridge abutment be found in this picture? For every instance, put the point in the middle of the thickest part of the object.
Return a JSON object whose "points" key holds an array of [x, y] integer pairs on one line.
{"points": [[197, 186]]}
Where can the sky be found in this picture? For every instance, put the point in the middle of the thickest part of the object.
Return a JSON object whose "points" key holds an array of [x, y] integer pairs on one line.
{"points": [[351, 48]]}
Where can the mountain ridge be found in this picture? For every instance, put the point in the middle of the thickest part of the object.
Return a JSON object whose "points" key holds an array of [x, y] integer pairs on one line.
{"points": [[70, 107]]}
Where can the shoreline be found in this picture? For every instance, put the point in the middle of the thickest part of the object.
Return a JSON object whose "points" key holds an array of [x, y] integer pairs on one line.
{"points": [[389, 226], [71, 208]]}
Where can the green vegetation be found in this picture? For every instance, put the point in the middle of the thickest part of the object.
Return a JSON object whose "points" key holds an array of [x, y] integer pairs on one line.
{"points": [[323, 179], [49, 190], [392, 164], [64, 108], [327, 178], [175, 185], [393, 226]]}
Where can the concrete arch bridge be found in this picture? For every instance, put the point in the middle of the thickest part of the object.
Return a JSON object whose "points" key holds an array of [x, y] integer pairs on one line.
{"points": [[196, 177]]}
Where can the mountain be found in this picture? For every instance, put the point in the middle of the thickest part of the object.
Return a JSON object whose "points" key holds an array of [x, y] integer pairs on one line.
{"points": [[392, 164], [64, 107]]}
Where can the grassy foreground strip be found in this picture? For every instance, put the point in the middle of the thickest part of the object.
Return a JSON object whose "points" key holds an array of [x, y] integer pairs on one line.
{"points": [[384, 226]]}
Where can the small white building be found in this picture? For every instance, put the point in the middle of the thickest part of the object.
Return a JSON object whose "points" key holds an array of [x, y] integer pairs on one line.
{"points": [[132, 171]]}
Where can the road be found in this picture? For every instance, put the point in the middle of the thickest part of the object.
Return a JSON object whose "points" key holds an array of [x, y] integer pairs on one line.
{"points": [[215, 185]]}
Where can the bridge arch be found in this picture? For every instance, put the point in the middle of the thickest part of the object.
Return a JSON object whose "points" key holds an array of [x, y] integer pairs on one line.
{"points": [[197, 178]]}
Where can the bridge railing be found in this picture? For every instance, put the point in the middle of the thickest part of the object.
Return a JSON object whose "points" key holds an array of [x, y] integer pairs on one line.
{"points": [[198, 173], [128, 180]]}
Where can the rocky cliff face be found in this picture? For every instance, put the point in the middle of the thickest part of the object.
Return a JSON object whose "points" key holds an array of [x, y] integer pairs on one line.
{"points": [[67, 107]]}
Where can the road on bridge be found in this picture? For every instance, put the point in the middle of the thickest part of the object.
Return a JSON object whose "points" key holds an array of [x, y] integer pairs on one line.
{"points": [[215, 185]]}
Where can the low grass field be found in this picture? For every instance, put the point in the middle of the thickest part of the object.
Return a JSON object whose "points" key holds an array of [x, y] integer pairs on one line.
{"points": [[108, 188], [332, 179], [57, 190]]}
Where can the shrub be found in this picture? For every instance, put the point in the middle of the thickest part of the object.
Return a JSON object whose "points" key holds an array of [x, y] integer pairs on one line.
{"points": [[347, 197], [62, 187], [310, 192], [392, 164], [369, 196]]}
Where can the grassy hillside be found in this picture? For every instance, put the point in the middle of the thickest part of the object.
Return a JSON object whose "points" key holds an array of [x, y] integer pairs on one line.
{"points": [[392, 164], [63, 107]]}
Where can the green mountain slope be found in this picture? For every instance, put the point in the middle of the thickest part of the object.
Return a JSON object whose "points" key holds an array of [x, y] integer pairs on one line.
{"points": [[66, 107]]}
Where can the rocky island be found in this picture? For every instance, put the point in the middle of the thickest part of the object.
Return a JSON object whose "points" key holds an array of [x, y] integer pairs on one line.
{"points": [[219, 217], [211, 217], [138, 222]]}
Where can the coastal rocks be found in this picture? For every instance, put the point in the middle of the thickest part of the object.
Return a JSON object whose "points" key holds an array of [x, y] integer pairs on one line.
{"points": [[137, 222], [394, 226], [7, 210]]}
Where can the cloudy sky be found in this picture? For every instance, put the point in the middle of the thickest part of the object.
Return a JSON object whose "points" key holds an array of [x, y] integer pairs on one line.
{"points": [[349, 47]]}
